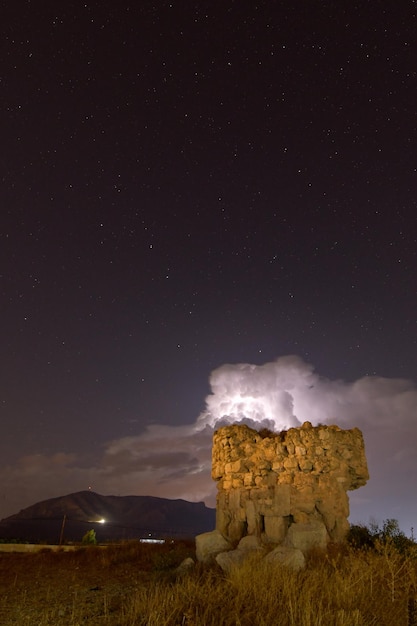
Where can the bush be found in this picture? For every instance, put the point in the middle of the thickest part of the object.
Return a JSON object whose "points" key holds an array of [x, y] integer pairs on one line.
{"points": [[360, 536], [374, 536], [89, 538]]}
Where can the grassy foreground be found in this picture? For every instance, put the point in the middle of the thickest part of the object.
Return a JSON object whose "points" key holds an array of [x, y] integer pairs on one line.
{"points": [[136, 584]]}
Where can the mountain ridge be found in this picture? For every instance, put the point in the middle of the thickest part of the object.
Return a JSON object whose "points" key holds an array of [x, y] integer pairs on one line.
{"points": [[113, 518]]}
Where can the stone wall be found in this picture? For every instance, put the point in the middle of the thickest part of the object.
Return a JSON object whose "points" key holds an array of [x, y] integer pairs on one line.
{"points": [[272, 486]]}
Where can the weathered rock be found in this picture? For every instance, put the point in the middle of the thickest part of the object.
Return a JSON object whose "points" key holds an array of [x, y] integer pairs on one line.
{"points": [[209, 545], [267, 485], [287, 557], [304, 537], [251, 543], [275, 529], [234, 558], [248, 546], [185, 566]]}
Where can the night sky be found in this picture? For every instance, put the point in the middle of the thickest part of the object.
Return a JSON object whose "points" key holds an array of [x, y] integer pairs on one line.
{"points": [[186, 185]]}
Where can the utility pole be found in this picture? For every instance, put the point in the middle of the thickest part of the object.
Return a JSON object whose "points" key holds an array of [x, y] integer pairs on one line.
{"points": [[64, 519]]}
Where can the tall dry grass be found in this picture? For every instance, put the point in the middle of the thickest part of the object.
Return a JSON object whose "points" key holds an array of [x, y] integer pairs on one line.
{"points": [[137, 585], [341, 588]]}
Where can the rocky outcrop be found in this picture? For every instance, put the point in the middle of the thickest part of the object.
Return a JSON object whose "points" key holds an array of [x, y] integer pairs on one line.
{"points": [[288, 488]]}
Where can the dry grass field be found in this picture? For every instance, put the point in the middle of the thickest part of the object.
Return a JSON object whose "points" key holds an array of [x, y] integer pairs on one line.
{"points": [[134, 583], [92, 585]]}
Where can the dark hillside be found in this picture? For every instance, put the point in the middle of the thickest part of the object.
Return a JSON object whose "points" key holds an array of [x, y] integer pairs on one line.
{"points": [[126, 517]]}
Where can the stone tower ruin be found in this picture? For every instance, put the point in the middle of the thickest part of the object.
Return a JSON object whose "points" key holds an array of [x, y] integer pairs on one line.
{"points": [[273, 485]]}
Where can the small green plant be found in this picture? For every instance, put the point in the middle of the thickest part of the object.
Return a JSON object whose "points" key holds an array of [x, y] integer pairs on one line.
{"points": [[89, 538]]}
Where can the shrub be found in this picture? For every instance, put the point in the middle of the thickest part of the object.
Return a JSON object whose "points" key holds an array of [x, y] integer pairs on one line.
{"points": [[89, 538], [374, 536]]}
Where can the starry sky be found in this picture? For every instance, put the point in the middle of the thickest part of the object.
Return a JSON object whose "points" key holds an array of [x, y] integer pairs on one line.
{"points": [[188, 187]]}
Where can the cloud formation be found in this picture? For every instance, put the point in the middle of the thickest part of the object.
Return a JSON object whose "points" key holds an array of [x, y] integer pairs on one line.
{"points": [[175, 461]]}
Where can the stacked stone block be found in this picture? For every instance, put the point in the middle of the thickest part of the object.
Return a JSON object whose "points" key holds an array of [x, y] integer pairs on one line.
{"points": [[269, 482]]}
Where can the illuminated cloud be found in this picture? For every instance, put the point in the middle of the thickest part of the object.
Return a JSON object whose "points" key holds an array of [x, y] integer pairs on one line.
{"points": [[258, 393]]}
